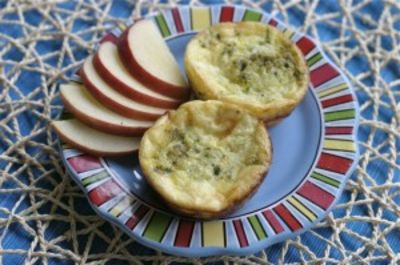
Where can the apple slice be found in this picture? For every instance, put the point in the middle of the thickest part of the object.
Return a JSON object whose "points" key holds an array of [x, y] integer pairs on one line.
{"points": [[109, 66], [88, 110], [147, 57], [88, 140], [113, 99]]}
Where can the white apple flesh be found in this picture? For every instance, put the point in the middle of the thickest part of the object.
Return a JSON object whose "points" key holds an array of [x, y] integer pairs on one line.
{"points": [[148, 58], [90, 111], [108, 64], [114, 100], [91, 141]]}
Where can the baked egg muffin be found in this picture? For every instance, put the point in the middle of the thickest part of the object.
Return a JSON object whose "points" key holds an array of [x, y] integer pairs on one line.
{"points": [[205, 158], [250, 64]]}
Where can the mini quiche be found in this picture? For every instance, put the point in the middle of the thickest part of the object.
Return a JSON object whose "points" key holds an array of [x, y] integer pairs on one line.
{"points": [[205, 158], [249, 64]]}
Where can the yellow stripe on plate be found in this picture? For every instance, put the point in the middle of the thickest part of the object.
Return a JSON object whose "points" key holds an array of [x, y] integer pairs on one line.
{"points": [[289, 33], [201, 18], [332, 90], [340, 145], [303, 209], [121, 26], [213, 234], [122, 205]]}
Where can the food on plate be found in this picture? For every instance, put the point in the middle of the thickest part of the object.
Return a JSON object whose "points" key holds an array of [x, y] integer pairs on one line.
{"points": [[91, 141], [206, 158], [88, 110], [148, 58], [108, 64], [250, 64], [113, 99]]}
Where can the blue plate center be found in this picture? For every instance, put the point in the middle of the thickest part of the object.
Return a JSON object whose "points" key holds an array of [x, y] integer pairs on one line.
{"points": [[295, 140]]}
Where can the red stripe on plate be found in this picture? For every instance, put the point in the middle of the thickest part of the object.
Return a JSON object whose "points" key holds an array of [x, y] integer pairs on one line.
{"points": [[337, 100], [271, 219], [241, 235], [177, 20], [338, 130], [305, 45], [184, 233], [104, 192], [322, 74], [287, 217], [334, 163], [273, 22], [136, 217], [226, 14], [110, 38], [315, 194], [84, 163]]}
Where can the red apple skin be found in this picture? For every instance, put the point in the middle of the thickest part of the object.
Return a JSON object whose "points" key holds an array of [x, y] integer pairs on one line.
{"points": [[115, 106], [145, 77], [100, 125], [88, 150], [127, 91]]}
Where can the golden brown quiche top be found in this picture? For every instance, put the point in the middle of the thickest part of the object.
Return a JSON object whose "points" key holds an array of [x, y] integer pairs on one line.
{"points": [[250, 64], [206, 157]]}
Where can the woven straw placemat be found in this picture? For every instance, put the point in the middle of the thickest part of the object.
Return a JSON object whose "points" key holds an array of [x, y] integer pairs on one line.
{"points": [[45, 218]]}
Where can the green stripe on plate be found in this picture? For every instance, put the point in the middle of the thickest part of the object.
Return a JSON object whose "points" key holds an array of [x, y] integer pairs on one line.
{"points": [[157, 226], [94, 178], [257, 227], [313, 59], [250, 15], [162, 24], [325, 179], [340, 115]]}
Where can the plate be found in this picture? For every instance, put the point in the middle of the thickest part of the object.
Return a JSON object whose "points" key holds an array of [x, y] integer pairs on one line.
{"points": [[314, 154]]}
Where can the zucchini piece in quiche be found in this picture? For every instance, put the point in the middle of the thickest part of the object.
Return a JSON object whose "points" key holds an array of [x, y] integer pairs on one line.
{"points": [[205, 158], [250, 64]]}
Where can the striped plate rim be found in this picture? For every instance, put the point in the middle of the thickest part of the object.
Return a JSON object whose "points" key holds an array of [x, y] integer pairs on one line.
{"points": [[297, 212]]}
